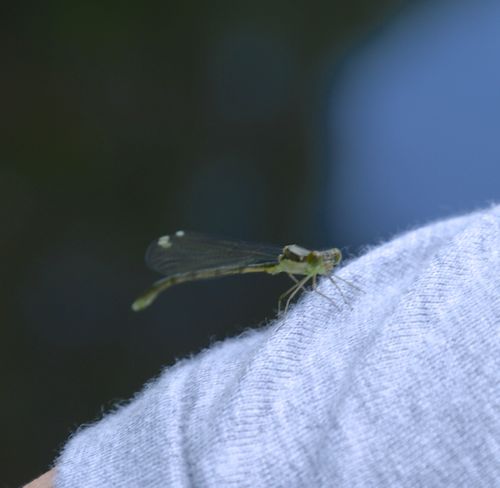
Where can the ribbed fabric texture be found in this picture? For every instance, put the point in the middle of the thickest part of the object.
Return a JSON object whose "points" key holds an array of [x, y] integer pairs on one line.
{"points": [[399, 388]]}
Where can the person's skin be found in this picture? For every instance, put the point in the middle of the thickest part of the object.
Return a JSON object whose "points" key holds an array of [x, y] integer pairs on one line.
{"points": [[45, 481]]}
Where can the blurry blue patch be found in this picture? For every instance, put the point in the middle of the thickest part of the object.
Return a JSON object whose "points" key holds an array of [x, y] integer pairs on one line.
{"points": [[416, 118]]}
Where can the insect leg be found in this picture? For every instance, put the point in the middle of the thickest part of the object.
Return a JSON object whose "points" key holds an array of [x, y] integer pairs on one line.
{"points": [[283, 295], [315, 288], [349, 283], [297, 287], [338, 289]]}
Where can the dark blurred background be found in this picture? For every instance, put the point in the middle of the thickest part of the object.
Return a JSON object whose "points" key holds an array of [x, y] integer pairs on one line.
{"points": [[327, 123]]}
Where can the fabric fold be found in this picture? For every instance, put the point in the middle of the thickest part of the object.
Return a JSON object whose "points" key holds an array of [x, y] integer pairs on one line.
{"points": [[397, 387]]}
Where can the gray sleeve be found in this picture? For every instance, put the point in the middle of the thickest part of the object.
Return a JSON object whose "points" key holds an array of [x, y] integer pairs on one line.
{"points": [[398, 387]]}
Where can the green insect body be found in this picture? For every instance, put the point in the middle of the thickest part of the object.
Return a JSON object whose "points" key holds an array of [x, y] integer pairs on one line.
{"points": [[187, 256]]}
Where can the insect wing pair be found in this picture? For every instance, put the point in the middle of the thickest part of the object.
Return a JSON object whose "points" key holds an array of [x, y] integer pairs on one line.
{"points": [[189, 256]]}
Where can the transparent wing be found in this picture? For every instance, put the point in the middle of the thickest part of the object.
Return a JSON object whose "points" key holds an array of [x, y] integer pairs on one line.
{"points": [[187, 252]]}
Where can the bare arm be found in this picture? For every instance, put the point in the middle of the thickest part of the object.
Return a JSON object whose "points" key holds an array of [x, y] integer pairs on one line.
{"points": [[44, 481]]}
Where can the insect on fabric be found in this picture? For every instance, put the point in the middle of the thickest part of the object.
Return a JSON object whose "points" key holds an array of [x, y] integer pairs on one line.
{"points": [[190, 256]]}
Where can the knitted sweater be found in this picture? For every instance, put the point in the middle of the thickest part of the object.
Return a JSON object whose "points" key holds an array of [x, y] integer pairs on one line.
{"points": [[398, 387]]}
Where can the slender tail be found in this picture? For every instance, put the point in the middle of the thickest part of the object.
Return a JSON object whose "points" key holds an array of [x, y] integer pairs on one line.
{"points": [[149, 296]]}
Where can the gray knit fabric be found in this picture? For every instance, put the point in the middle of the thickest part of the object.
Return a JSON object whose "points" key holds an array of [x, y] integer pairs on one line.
{"points": [[400, 388]]}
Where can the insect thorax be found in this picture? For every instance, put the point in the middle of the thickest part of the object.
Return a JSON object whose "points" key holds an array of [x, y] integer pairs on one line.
{"points": [[295, 253]]}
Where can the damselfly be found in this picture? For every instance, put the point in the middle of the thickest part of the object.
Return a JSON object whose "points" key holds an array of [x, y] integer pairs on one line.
{"points": [[189, 256]]}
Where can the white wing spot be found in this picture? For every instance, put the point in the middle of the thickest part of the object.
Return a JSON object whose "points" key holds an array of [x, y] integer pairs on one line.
{"points": [[180, 233], [164, 242]]}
